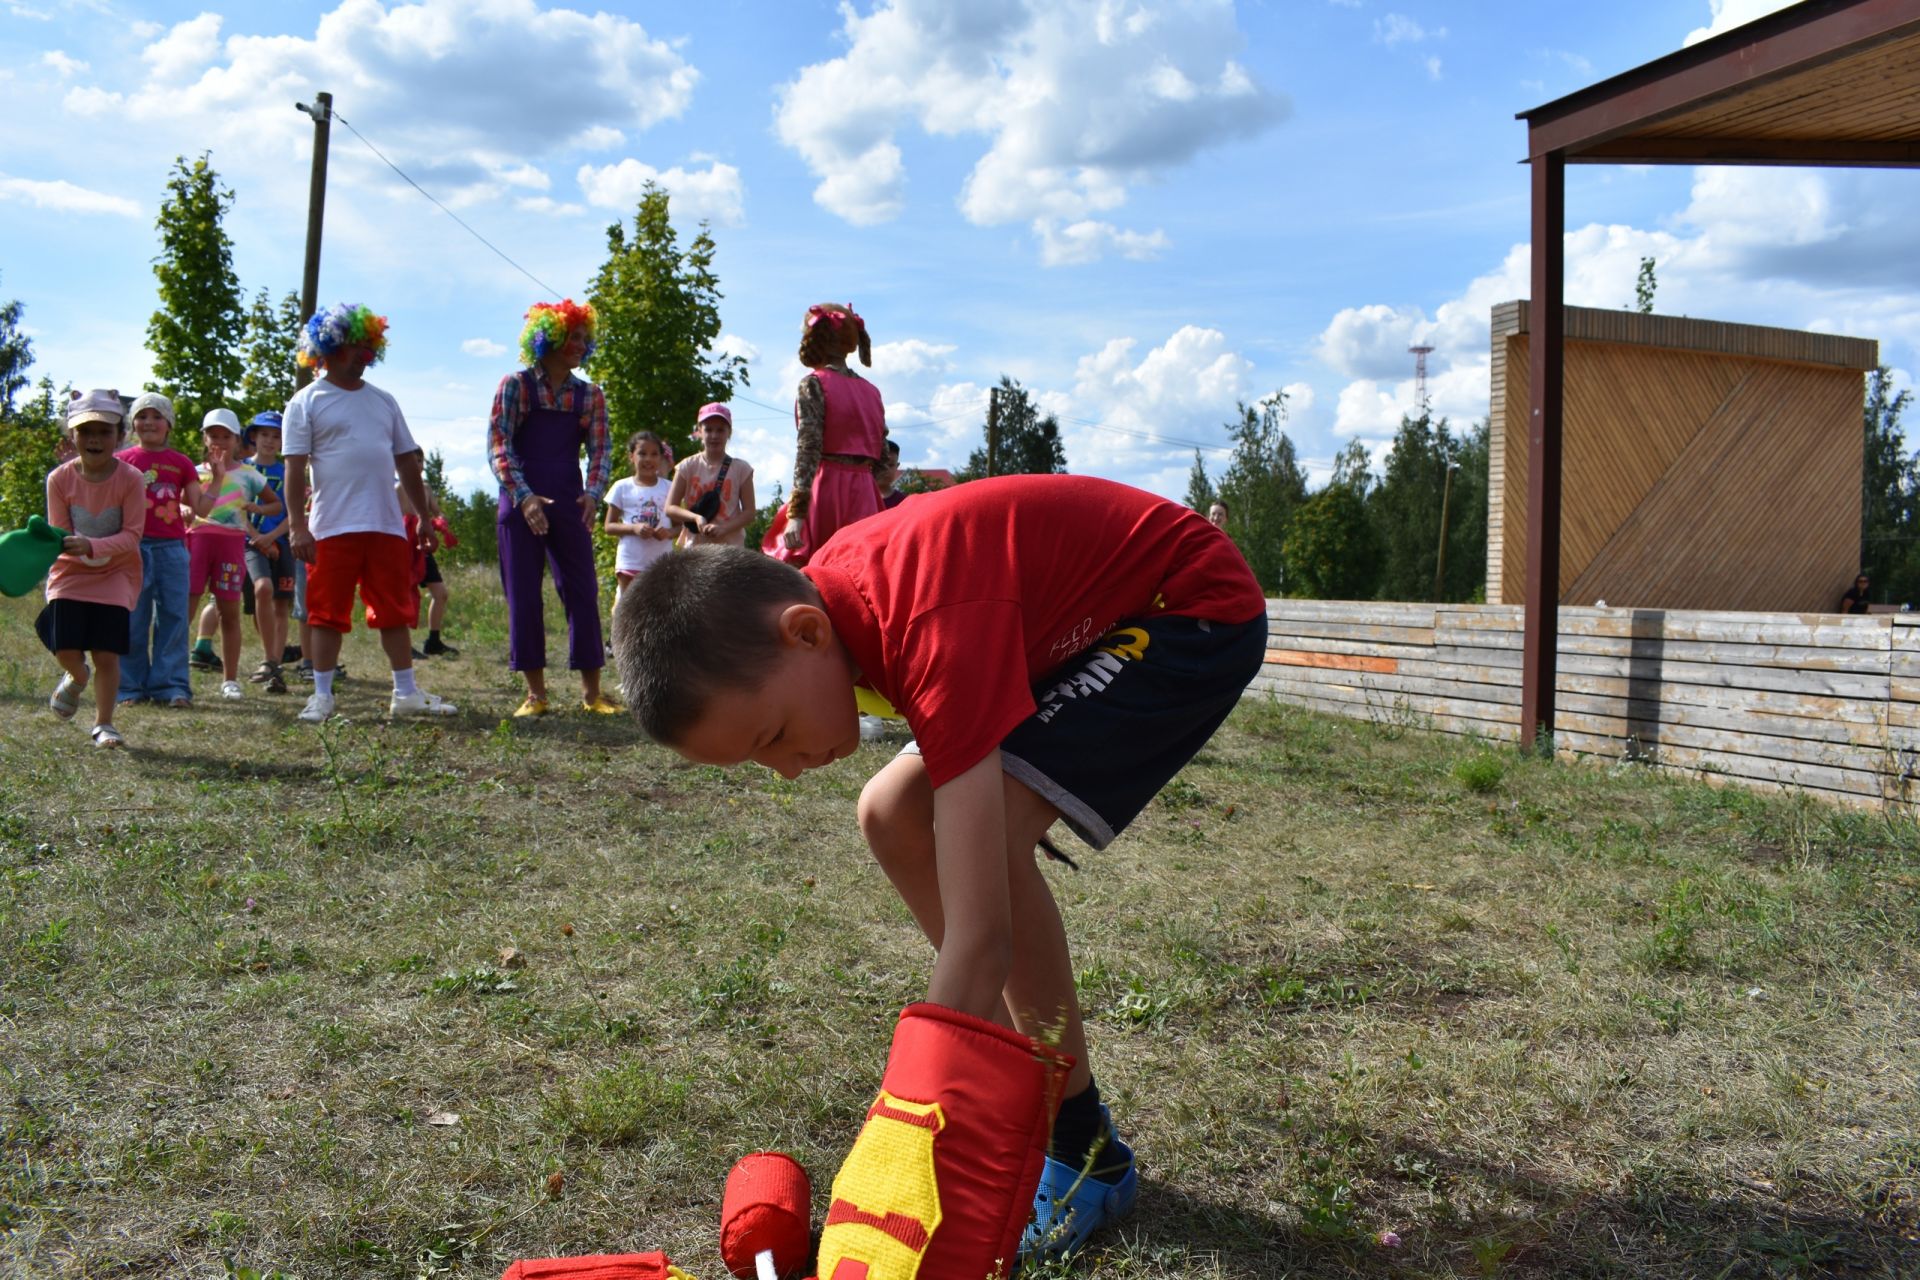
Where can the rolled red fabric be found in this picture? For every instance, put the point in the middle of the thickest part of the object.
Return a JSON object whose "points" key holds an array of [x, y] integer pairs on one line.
{"points": [[940, 1181], [768, 1205], [597, 1266]]}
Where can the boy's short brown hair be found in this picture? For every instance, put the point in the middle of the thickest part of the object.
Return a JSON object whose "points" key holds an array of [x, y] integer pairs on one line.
{"points": [[696, 622]]}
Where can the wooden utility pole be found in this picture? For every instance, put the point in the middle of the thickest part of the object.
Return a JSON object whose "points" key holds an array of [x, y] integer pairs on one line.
{"points": [[993, 431], [322, 112], [1440, 557]]}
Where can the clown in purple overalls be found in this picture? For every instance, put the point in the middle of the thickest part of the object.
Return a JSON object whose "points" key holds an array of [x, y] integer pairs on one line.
{"points": [[542, 416]]}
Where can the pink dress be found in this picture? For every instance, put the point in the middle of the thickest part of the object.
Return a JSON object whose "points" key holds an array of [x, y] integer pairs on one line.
{"points": [[842, 489]]}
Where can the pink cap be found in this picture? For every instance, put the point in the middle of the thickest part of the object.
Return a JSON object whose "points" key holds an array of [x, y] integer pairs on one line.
{"points": [[714, 410]]}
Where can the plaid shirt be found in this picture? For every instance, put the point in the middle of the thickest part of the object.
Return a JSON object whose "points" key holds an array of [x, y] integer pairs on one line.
{"points": [[510, 410]]}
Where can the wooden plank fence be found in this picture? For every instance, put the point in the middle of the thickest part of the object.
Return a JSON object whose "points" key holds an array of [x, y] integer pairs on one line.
{"points": [[1825, 703]]}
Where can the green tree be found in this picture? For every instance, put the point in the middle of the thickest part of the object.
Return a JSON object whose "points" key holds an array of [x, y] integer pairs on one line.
{"points": [[1329, 547], [1262, 485], [1466, 569], [1889, 496], [1406, 507], [273, 336], [29, 440], [1029, 442], [1643, 287], [1353, 467], [659, 314], [1200, 494], [195, 336], [16, 356]]}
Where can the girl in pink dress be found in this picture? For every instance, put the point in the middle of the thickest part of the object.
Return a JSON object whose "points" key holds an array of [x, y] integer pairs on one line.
{"points": [[842, 426]]}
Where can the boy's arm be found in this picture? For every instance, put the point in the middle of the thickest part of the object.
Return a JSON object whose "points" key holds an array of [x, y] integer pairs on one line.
{"points": [[414, 485], [299, 537], [970, 858]]}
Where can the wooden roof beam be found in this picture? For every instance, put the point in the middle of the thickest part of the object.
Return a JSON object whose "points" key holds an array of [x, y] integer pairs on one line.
{"points": [[1798, 39], [1669, 149]]}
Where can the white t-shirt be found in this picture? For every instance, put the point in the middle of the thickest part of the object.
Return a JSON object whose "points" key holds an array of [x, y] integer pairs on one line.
{"points": [[640, 504], [351, 439]]}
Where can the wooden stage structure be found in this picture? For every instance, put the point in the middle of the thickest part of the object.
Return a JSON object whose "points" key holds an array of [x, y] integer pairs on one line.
{"points": [[1705, 465]]}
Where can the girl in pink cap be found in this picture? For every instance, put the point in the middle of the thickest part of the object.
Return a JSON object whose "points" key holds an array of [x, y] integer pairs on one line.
{"points": [[712, 494], [842, 426]]}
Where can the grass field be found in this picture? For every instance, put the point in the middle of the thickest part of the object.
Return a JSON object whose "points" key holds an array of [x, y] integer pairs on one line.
{"points": [[259, 1015]]}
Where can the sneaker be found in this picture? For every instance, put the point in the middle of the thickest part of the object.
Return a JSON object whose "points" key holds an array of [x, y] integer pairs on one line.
{"points": [[1068, 1206], [264, 672], [276, 683], [318, 708], [439, 649], [66, 698], [421, 703], [872, 728], [105, 735], [231, 690], [203, 660], [601, 706], [531, 707]]}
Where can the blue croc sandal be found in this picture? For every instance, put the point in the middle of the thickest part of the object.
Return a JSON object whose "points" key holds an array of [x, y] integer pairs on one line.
{"points": [[1068, 1207]]}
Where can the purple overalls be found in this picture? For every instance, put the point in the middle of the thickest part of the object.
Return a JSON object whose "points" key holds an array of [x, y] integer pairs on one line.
{"points": [[548, 445]]}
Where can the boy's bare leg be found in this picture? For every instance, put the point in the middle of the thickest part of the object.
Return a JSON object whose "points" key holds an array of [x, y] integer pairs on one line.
{"points": [[436, 605], [397, 644], [896, 817], [323, 646]]}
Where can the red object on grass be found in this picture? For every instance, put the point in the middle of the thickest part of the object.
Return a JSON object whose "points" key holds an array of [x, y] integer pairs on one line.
{"points": [[940, 1182], [597, 1266], [768, 1205]]}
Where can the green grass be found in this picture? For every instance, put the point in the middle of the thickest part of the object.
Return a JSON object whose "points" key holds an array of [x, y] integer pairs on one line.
{"points": [[1536, 1019]]}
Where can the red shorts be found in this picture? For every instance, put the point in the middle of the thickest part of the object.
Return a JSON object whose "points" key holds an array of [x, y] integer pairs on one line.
{"points": [[216, 557], [380, 564]]}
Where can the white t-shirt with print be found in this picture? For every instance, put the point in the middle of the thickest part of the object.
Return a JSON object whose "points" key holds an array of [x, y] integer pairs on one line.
{"points": [[351, 439], [640, 504]]}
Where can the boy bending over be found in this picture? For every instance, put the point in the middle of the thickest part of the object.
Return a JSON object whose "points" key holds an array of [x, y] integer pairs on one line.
{"points": [[1060, 646]]}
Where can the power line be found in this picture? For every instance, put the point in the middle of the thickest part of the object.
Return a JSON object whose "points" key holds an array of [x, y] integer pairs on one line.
{"points": [[549, 289]]}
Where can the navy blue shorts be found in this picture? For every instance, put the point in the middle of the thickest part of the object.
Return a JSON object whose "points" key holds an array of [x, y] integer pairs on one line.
{"points": [[1118, 721]]}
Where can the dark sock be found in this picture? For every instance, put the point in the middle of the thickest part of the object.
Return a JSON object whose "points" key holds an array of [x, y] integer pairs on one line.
{"points": [[433, 637], [1081, 1128]]}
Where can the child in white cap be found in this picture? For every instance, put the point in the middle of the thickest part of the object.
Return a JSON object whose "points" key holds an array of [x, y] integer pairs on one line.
{"points": [[102, 503]]}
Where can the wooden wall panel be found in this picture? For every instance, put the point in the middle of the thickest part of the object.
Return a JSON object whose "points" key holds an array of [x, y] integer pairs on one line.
{"points": [[1690, 445], [1821, 702]]}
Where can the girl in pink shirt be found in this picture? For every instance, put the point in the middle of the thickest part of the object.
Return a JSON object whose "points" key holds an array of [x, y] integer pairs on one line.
{"points": [[93, 586]]}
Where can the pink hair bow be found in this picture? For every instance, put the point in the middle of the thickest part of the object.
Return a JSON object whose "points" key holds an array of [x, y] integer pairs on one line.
{"points": [[816, 313]]}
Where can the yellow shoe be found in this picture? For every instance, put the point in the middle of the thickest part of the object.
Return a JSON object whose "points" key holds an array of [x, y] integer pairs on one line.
{"points": [[532, 707], [601, 706]]}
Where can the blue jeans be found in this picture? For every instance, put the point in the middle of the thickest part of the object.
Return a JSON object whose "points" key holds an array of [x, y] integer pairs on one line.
{"points": [[160, 616]]}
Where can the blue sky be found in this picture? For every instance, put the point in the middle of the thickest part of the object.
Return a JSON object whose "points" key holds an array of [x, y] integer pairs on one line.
{"points": [[1145, 210]]}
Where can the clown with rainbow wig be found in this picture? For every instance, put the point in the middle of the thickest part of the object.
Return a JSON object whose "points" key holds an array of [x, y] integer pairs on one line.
{"points": [[344, 440], [543, 416]]}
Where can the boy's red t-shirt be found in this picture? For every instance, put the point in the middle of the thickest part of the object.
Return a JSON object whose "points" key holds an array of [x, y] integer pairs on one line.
{"points": [[956, 603]]}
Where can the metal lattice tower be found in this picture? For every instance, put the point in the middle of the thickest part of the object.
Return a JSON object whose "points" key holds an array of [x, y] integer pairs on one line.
{"points": [[1420, 376]]}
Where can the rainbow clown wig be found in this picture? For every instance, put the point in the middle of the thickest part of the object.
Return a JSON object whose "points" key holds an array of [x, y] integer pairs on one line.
{"points": [[340, 325], [548, 325]]}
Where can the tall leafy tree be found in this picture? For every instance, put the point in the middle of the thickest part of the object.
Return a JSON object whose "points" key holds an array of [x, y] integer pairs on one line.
{"points": [[1406, 507], [273, 336], [1029, 441], [16, 356], [196, 335], [1200, 494], [1889, 496], [1329, 547], [1262, 485], [1644, 286], [659, 314], [29, 445]]}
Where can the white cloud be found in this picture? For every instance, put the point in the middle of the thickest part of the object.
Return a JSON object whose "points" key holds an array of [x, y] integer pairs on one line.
{"points": [[548, 205], [1368, 409], [64, 197], [1728, 14], [484, 347], [910, 358], [714, 193], [1079, 101], [1398, 28], [422, 80], [1089, 241], [61, 64], [1433, 68]]}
